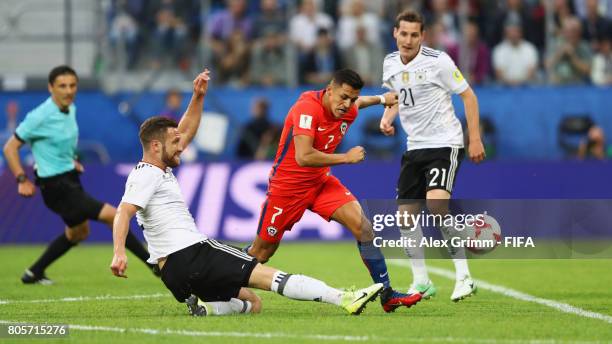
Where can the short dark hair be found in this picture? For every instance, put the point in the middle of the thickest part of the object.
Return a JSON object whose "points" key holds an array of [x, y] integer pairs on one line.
{"points": [[411, 17], [322, 32], [349, 77], [155, 128], [61, 70]]}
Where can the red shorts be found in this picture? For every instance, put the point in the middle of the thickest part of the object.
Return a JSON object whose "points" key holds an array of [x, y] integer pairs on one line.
{"points": [[280, 213]]}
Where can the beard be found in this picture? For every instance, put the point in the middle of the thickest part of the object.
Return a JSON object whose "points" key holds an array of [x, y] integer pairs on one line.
{"points": [[170, 160]]}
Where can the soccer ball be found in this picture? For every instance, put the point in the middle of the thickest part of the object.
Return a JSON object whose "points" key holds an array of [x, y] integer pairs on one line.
{"points": [[483, 237]]}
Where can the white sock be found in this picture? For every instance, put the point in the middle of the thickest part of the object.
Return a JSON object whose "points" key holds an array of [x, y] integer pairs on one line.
{"points": [[416, 255], [300, 287], [419, 271], [461, 268], [233, 306], [449, 232], [457, 253]]}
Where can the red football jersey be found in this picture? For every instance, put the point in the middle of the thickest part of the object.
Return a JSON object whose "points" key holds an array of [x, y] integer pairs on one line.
{"points": [[309, 117]]}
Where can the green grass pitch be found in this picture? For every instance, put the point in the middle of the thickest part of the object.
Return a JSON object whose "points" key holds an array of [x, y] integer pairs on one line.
{"points": [[488, 317]]}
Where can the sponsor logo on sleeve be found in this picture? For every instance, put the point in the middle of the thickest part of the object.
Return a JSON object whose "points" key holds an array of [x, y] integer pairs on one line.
{"points": [[305, 121], [457, 76]]}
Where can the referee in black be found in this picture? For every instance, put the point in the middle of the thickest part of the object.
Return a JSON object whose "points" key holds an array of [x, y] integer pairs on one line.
{"points": [[51, 131]]}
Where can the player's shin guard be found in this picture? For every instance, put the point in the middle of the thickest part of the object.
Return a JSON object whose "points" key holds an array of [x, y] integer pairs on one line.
{"points": [[304, 288], [456, 253], [375, 262], [416, 253]]}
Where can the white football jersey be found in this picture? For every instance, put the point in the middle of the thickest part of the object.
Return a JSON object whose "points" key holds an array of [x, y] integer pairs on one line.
{"points": [[163, 215], [424, 87]]}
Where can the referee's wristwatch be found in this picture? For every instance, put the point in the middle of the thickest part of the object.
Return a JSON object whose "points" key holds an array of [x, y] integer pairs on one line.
{"points": [[21, 178], [382, 99]]}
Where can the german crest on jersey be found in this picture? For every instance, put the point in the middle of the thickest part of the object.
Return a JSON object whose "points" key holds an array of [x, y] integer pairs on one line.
{"points": [[420, 76], [343, 128]]}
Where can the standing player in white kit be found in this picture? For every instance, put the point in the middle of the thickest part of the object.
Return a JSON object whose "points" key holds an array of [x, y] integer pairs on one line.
{"points": [[425, 80]]}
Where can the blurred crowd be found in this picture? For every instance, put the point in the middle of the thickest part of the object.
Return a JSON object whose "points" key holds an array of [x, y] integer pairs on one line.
{"points": [[288, 42]]}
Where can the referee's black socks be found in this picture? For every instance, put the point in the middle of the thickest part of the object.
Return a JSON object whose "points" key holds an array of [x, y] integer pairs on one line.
{"points": [[135, 246], [56, 249], [61, 245]]}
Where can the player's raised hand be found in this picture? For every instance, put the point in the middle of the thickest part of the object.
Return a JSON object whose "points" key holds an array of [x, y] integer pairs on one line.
{"points": [[355, 155], [386, 127], [390, 99], [119, 265], [200, 83], [476, 151], [26, 188]]}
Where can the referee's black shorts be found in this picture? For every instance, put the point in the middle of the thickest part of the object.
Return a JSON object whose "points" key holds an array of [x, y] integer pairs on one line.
{"points": [[427, 169], [208, 269], [65, 196]]}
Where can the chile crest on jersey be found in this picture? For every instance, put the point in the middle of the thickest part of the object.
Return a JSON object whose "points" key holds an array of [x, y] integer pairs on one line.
{"points": [[329, 135]]}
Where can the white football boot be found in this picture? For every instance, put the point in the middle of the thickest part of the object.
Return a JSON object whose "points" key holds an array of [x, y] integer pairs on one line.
{"points": [[463, 288]]}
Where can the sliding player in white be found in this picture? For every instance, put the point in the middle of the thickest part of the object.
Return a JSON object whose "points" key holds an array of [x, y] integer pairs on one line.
{"points": [[425, 80], [209, 276]]}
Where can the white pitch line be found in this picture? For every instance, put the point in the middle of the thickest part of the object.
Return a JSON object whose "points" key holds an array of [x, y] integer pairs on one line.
{"points": [[317, 337], [88, 298], [515, 294], [441, 272]]}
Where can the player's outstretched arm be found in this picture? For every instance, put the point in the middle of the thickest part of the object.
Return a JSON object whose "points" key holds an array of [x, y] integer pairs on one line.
{"points": [[246, 294], [388, 99], [11, 153], [307, 156], [386, 122], [476, 148], [121, 226], [188, 126]]}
